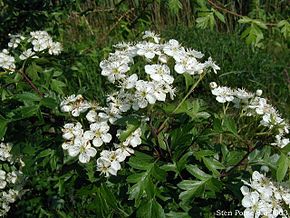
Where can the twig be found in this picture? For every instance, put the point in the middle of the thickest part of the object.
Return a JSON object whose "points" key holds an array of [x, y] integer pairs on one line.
{"points": [[117, 22], [251, 149], [26, 78], [182, 101], [221, 8]]}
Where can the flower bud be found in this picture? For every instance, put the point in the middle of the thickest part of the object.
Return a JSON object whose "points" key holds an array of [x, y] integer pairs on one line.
{"points": [[213, 85], [259, 92]]}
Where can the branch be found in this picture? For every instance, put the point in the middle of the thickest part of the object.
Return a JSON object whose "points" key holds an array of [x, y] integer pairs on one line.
{"points": [[221, 8], [27, 80], [251, 149]]}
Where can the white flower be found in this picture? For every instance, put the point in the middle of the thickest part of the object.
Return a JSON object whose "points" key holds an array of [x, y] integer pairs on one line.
{"points": [[187, 64], [98, 133], [5, 149], [194, 53], [83, 148], [251, 199], [113, 155], [12, 177], [243, 94], [134, 139], [144, 94], [105, 166], [71, 130], [210, 63], [154, 36], [27, 54], [55, 48], [10, 196], [159, 73], [14, 40], [130, 82], [263, 198], [7, 62], [125, 149], [94, 117], [173, 48], [3, 182], [148, 49], [281, 142], [114, 70], [223, 94], [41, 40], [75, 105]]}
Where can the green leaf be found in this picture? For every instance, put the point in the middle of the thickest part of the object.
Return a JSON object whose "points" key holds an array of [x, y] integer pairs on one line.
{"points": [[49, 102], [27, 97], [213, 165], [206, 20], [161, 141], [173, 214], [198, 173], [188, 81], [33, 70], [150, 209], [283, 165], [229, 125], [219, 15], [3, 126], [131, 123], [24, 112], [57, 86], [44, 153], [193, 189], [174, 6]]}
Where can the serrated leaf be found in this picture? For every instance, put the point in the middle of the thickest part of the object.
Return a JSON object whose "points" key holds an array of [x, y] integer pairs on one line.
{"points": [[57, 86], [27, 97]]}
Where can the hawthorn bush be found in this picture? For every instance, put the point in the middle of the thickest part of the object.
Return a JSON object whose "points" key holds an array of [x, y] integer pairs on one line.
{"points": [[160, 143]]}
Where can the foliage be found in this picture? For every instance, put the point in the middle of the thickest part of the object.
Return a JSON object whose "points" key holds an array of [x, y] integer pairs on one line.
{"points": [[193, 149]]}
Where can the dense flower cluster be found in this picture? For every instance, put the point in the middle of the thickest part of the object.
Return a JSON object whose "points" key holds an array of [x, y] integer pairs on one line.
{"points": [[263, 198], [9, 176], [38, 42], [254, 105], [136, 89]]}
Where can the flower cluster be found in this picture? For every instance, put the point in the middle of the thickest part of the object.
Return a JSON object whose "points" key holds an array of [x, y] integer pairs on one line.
{"points": [[9, 177], [39, 42], [254, 105], [85, 144], [262, 197], [135, 89]]}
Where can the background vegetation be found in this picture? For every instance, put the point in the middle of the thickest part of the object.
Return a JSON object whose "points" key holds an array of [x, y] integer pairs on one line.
{"points": [[249, 40]]}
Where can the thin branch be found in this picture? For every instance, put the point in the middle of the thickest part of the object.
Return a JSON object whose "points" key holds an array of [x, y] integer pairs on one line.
{"points": [[27, 80], [221, 8], [251, 149], [182, 101]]}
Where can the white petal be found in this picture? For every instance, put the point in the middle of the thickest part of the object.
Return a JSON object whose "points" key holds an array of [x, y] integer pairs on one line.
{"points": [[97, 142], [179, 68], [107, 137], [84, 158], [151, 99], [74, 151], [89, 135], [91, 152]]}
